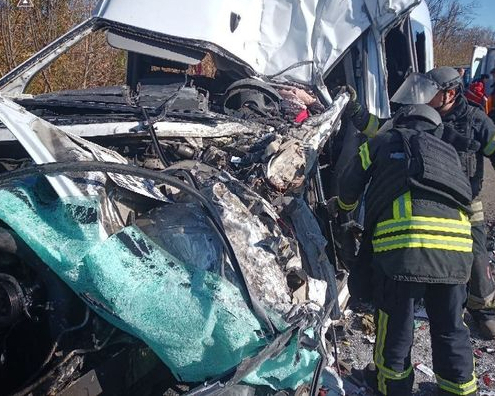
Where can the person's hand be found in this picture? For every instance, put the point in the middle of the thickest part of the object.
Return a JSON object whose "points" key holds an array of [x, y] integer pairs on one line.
{"points": [[332, 205], [354, 227], [352, 93], [353, 107]]}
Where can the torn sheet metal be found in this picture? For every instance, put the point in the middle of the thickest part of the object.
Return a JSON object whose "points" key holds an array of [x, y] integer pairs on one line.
{"points": [[255, 249], [197, 322], [300, 40], [312, 242], [46, 143], [163, 283], [295, 158], [164, 129], [385, 12], [43, 144]]}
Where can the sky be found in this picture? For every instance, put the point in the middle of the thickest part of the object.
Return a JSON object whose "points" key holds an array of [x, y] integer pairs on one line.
{"points": [[485, 13]]}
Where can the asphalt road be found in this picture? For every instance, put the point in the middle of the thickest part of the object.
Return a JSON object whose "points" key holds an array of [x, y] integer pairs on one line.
{"points": [[488, 192], [357, 351]]}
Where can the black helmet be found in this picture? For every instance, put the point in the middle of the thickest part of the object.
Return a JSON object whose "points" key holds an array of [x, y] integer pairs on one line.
{"points": [[421, 88], [446, 77], [418, 112]]}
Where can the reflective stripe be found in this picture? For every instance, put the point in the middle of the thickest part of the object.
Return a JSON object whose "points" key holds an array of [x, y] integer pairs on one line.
{"points": [[457, 389], [403, 220], [424, 218], [364, 153], [428, 241], [381, 333], [372, 127], [382, 386], [385, 373], [402, 206], [347, 207], [428, 224], [490, 147]]}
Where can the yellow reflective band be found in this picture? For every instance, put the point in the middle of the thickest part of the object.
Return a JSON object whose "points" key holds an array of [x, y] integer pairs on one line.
{"points": [[372, 127], [425, 236], [380, 337], [394, 375], [462, 227], [380, 345], [408, 204], [422, 245], [347, 207], [396, 210], [490, 147], [457, 389], [382, 387], [426, 241], [402, 206], [364, 153], [385, 373], [424, 218]]}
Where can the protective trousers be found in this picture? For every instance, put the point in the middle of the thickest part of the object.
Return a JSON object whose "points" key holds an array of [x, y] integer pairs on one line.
{"points": [[481, 301], [394, 319]]}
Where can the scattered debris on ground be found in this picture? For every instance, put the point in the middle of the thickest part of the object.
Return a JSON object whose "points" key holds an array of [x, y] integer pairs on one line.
{"points": [[355, 340]]}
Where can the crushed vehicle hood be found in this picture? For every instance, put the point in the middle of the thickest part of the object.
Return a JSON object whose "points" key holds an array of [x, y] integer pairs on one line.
{"points": [[289, 39], [201, 271]]}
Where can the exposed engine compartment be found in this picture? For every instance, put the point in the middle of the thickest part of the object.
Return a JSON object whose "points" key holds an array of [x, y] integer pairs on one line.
{"points": [[251, 152]]}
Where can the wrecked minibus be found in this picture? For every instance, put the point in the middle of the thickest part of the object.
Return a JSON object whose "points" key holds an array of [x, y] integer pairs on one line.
{"points": [[170, 236]]}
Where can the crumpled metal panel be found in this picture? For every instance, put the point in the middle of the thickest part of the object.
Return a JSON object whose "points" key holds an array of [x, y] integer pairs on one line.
{"points": [[312, 242], [295, 158], [304, 36], [197, 322], [252, 242], [385, 12], [47, 143]]}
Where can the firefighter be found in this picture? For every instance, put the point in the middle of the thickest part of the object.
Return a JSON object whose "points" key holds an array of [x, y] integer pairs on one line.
{"points": [[416, 208], [472, 133]]}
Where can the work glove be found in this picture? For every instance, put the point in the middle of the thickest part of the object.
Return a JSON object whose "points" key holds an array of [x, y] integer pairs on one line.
{"points": [[353, 106], [332, 206], [354, 227]]}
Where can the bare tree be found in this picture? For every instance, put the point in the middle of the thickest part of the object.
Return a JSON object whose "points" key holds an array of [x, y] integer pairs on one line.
{"points": [[24, 31], [453, 35]]}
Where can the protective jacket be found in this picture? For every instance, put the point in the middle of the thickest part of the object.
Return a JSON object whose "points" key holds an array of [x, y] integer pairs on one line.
{"points": [[421, 232], [472, 133], [466, 127]]}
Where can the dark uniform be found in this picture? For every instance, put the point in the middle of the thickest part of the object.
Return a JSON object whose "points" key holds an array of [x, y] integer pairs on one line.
{"points": [[472, 133], [422, 248]]}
